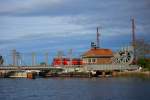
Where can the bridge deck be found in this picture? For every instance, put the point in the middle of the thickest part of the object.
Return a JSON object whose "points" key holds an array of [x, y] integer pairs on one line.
{"points": [[87, 67]]}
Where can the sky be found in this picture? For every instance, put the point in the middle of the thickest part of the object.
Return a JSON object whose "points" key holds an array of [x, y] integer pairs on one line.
{"points": [[60, 25]]}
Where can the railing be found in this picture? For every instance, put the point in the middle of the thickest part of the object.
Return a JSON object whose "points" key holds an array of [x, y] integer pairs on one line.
{"points": [[87, 67], [27, 67], [111, 67]]}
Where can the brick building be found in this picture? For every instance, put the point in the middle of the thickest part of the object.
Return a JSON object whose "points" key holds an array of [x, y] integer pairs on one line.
{"points": [[97, 56]]}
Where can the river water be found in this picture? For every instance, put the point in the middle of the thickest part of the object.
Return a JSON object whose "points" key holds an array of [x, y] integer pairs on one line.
{"points": [[123, 88]]}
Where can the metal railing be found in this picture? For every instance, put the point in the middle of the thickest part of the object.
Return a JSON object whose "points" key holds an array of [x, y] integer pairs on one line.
{"points": [[112, 67], [88, 67]]}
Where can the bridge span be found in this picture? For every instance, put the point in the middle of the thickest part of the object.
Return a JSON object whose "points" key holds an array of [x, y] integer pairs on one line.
{"points": [[86, 70], [92, 67]]}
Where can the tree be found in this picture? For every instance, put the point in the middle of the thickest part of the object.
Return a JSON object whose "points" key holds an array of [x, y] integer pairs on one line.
{"points": [[144, 63], [42, 63]]}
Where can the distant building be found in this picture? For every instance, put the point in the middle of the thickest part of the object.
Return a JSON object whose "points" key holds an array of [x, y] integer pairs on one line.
{"points": [[97, 56]]}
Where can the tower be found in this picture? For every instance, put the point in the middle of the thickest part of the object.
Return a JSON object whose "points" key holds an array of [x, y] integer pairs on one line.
{"points": [[134, 40], [133, 32], [97, 38]]}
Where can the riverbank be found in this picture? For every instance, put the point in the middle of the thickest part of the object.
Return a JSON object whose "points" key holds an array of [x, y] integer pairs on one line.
{"points": [[101, 74], [134, 73], [33, 75]]}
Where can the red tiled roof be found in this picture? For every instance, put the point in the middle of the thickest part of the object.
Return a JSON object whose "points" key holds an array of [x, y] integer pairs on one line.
{"points": [[98, 52]]}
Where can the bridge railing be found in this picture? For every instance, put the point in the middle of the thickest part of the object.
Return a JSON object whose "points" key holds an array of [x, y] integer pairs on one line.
{"points": [[88, 67], [27, 67], [111, 67]]}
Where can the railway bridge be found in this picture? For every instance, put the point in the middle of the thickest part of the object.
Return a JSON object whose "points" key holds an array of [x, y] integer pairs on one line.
{"points": [[97, 69], [92, 67]]}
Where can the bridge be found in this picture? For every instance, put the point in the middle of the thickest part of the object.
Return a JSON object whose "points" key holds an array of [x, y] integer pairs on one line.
{"points": [[105, 67], [24, 71]]}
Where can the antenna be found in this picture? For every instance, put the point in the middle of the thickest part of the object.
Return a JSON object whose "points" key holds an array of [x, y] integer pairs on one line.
{"points": [[97, 37], [134, 40], [133, 32]]}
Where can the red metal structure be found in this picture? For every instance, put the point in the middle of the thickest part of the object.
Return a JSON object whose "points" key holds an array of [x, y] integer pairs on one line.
{"points": [[66, 61]]}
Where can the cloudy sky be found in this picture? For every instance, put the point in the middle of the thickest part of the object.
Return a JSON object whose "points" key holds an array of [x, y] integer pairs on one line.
{"points": [[59, 25]]}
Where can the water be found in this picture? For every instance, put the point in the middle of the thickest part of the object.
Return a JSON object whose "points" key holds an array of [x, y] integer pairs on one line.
{"points": [[75, 89]]}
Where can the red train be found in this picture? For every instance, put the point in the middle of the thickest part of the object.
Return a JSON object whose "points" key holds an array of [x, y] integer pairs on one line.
{"points": [[66, 61]]}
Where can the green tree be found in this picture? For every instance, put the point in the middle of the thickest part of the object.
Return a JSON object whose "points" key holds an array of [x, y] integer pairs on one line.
{"points": [[143, 63], [42, 63]]}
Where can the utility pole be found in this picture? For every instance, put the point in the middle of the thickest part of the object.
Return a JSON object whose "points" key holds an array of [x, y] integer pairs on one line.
{"points": [[17, 58], [70, 57], [14, 57], [60, 56], [33, 58], [46, 58]]}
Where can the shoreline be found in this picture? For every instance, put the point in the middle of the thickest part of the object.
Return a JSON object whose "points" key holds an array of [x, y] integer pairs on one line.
{"points": [[134, 73], [82, 75]]}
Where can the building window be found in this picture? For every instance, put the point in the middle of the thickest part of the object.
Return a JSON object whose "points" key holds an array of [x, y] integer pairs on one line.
{"points": [[89, 60], [93, 60]]}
